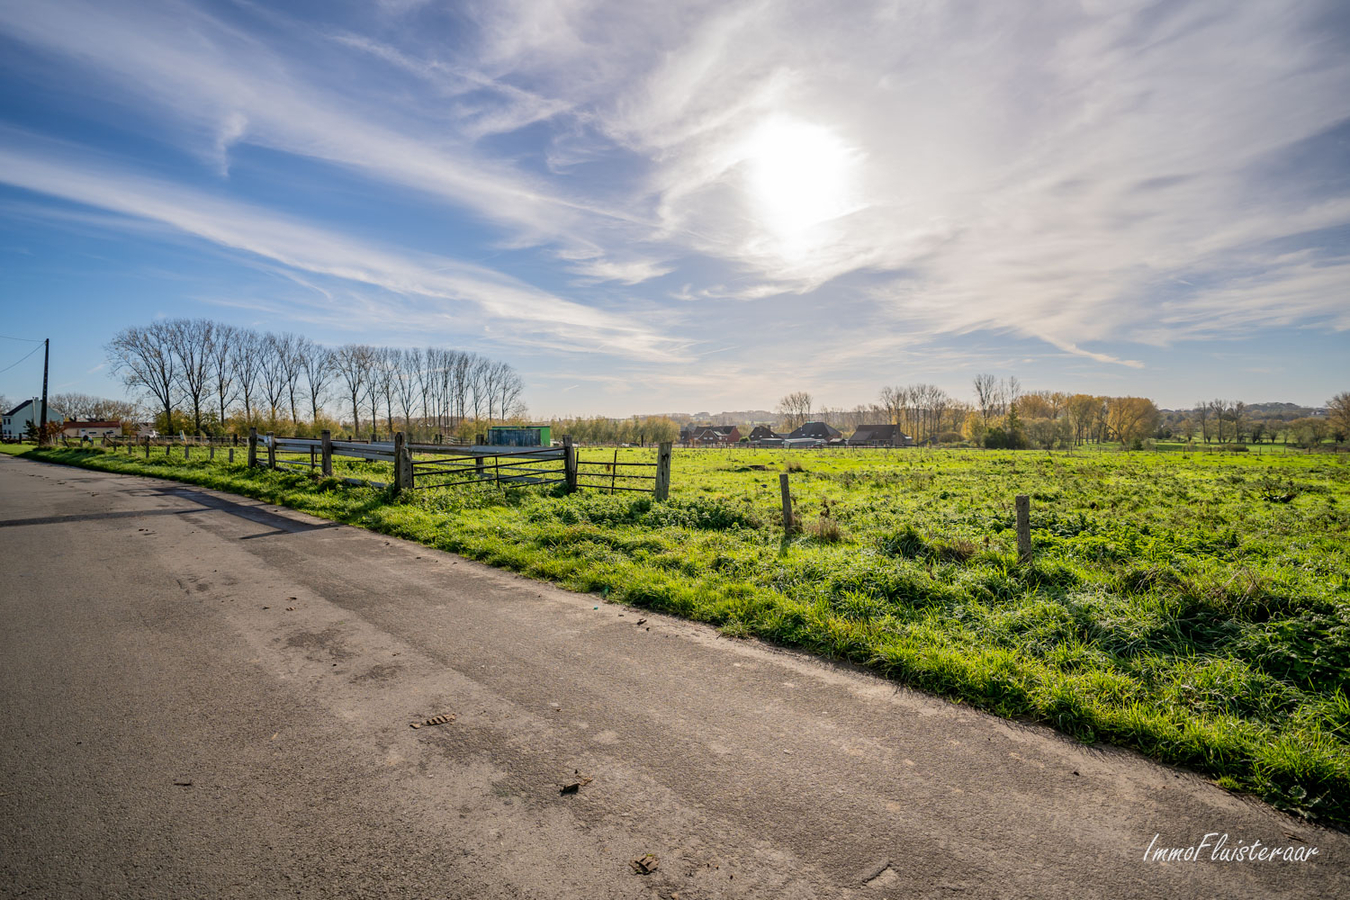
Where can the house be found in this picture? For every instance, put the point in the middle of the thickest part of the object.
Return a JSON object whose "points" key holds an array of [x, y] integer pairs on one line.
{"points": [[94, 431], [762, 433], [818, 431], [880, 436], [714, 435], [16, 421]]}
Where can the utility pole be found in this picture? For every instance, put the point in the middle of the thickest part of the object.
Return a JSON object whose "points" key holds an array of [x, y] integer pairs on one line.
{"points": [[42, 425]]}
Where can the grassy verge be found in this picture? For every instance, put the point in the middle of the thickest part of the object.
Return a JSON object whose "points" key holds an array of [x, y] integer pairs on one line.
{"points": [[1196, 608]]}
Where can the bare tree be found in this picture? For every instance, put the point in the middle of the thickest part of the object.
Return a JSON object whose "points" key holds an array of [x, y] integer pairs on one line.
{"points": [[352, 363], [492, 372], [409, 365], [289, 348], [477, 381], [1010, 391], [191, 341], [87, 406], [144, 357], [222, 372], [509, 388], [986, 397], [1202, 417], [317, 364], [386, 381], [795, 408], [273, 372], [893, 402], [246, 362]]}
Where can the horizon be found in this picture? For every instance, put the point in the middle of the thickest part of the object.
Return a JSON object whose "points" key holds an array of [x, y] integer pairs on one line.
{"points": [[646, 206]]}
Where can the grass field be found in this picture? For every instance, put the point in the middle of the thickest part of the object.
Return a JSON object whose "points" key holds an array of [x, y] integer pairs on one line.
{"points": [[1195, 607]]}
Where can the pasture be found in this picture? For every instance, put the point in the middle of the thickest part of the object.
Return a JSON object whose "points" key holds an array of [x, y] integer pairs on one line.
{"points": [[1193, 607]]}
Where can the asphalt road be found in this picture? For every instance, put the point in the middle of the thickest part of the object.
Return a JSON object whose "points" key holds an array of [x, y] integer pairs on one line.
{"points": [[203, 696]]}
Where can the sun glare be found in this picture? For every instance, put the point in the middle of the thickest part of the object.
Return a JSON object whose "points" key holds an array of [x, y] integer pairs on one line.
{"points": [[799, 177]]}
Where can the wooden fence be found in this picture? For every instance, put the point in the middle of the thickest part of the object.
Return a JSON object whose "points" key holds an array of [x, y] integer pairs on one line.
{"points": [[418, 465], [444, 465], [615, 475]]}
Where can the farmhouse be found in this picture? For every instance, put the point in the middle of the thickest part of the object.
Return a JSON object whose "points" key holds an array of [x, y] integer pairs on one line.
{"points": [[92, 430], [17, 420], [818, 431], [763, 433], [714, 435], [880, 436]]}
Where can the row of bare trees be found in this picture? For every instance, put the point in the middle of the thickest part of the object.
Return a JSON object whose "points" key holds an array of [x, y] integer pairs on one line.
{"points": [[210, 370], [88, 407]]}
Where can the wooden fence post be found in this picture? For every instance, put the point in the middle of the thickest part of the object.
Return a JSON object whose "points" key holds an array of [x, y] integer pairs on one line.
{"points": [[231, 459], [402, 464], [252, 448], [211, 453], [147, 448], [789, 523], [187, 451], [663, 452], [569, 464], [326, 463], [271, 450], [1023, 528]]}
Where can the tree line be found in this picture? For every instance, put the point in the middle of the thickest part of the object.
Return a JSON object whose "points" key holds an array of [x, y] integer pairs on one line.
{"points": [[1002, 415], [210, 377]]}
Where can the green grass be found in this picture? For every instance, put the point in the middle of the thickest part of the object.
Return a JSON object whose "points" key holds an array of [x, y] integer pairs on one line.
{"points": [[1195, 607]]}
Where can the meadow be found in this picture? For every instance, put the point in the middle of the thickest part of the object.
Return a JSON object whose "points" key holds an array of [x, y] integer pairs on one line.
{"points": [[1194, 607]]}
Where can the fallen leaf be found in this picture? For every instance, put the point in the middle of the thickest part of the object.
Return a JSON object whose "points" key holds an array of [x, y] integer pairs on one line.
{"points": [[645, 865]]}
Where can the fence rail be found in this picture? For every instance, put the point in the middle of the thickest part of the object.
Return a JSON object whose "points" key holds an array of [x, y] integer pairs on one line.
{"points": [[440, 465]]}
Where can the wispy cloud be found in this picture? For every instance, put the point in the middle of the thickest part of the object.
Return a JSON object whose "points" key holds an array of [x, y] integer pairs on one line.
{"points": [[1034, 168], [535, 315]]}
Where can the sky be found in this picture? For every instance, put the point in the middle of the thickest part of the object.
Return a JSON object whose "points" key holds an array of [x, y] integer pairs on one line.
{"points": [[681, 206]]}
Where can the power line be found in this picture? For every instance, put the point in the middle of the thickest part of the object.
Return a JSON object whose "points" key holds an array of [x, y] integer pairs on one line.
{"points": [[25, 340], [12, 365]]}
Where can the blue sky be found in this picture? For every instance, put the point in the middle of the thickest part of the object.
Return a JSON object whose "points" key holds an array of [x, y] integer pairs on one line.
{"points": [[664, 206]]}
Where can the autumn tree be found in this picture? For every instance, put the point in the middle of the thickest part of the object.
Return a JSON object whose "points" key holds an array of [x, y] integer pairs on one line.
{"points": [[1130, 418], [1338, 415], [1083, 410]]}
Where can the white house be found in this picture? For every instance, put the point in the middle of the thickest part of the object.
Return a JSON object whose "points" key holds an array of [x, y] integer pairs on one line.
{"points": [[16, 421], [94, 431]]}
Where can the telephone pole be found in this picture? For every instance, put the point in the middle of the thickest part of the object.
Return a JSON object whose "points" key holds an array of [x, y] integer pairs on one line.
{"points": [[42, 425]]}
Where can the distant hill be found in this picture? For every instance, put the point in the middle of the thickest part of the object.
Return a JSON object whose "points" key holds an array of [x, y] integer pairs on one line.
{"points": [[727, 417]]}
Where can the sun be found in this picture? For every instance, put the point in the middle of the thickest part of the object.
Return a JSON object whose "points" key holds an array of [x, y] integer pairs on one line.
{"points": [[799, 176]]}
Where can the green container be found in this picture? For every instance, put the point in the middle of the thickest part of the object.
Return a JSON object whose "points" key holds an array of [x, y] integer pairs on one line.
{"points": [[520, 436]]}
